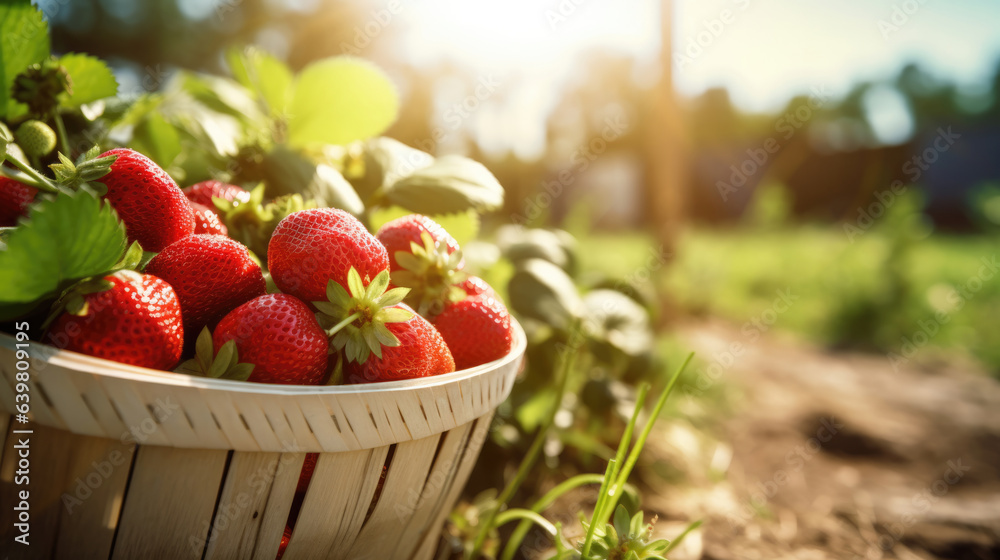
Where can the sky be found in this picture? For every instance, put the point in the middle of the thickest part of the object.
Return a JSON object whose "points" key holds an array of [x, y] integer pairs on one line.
{"points": [[764, 51]]}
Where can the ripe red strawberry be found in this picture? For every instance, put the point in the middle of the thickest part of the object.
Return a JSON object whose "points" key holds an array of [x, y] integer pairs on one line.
{"points": [[136, 321], [476, 286], [421, 352], [477, 329], [148, 201], [14, 200], [398, 234], [311, 247], [423, 258], [280, 336], [381, 338], [203, 192], [206, 220], [211, 274]]}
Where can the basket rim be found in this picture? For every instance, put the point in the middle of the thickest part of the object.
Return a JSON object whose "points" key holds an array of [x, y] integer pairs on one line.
{"points": [[108, 368]]}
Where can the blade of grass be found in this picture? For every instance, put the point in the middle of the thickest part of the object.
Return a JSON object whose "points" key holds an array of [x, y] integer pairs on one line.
{"points": [[673, 544], [527, 515], [614, 466], [609, 497], [643, 436], [602, 497], [517, 537], [626, 440]]}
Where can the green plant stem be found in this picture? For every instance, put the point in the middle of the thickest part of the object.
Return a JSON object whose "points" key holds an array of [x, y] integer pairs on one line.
{"points": [[614, 466], [599, 506], [61, 132], [543, 503], [347, 321], [566, 364], [527, 515], [680, 538], [626, 441], [637, 449], [29, 175], [614, 493]]}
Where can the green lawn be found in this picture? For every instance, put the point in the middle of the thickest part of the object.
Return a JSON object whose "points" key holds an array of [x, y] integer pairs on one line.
{"points": [[876, 293]]}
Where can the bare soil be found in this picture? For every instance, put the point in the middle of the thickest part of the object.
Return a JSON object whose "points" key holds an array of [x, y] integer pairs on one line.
{"points": [[836, 455]]}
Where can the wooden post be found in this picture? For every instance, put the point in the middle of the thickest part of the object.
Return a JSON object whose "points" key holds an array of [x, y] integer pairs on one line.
{"points": [[666, 146]]}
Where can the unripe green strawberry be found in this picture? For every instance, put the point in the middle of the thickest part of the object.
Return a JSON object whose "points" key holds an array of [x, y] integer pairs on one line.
{"points": [[35, 138]]}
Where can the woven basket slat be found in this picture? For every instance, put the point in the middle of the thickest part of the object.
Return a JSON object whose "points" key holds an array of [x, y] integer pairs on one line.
{"points": [[296, 419], [434, 406], [282, 429], [48, 476], [261, 430], [45, 504], [100, 405], [279, 502], [169, 504], [410, 416], [320, 420], [332, 512], [86, 532], [65, 397], [40, 410], [172, 420], [361, 421], [6, 386], [431, 498], [466, 462], [391, 419], [246, 493], [199, 414], [133, 409], [228, 416], [406, 476]]}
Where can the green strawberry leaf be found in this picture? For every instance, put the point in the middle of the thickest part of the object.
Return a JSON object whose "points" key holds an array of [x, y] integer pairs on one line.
{"points": [[339, 100], [224, 96], [543, 291], [157, 139], [262, 73], [24, 40], [287, 172], [451, 184], [90, 77], [383, 162], [463, 226], [66, 237]]}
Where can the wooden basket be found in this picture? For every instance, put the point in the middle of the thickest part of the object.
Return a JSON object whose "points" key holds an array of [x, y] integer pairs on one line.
{"points": [[127, 462]]}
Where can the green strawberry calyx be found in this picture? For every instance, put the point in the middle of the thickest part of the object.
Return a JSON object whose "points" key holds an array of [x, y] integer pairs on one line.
{"points": [[87, 169], [355, 318], [431, 274], [73, 301], [252, 222], [224, 365]]}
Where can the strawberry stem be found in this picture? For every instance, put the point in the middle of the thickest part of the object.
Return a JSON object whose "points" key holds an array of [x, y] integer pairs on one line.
{"points": [[347, 321], [61, 132], [29, 175]]}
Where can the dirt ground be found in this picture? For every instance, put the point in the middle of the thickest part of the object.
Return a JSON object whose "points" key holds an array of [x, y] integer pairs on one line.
{"points": [[835, 455]]}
